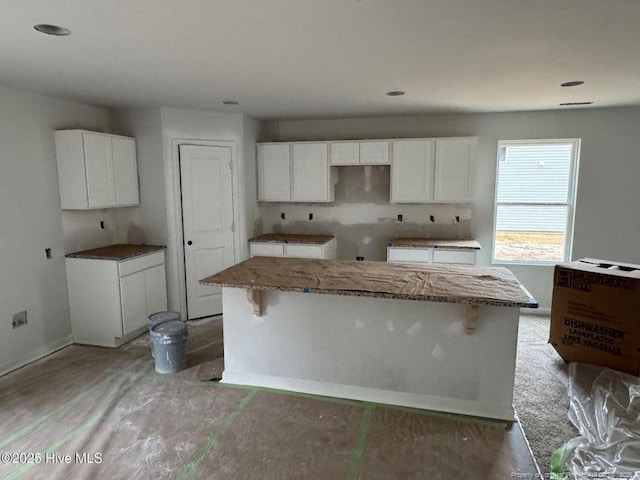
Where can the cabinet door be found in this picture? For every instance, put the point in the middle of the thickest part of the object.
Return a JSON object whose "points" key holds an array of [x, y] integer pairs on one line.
{"points": [[155, 285], [274, 173], [310, 173], [374, 153], [345, 153], [134, 304], [125, 171], [412, 171], [453, 169], [99, 170]]}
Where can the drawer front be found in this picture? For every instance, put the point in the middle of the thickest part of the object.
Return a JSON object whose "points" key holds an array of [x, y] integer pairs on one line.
{"points": [[303, 251], [127, 267], [266, 249], [421, 255], [454, 256]]}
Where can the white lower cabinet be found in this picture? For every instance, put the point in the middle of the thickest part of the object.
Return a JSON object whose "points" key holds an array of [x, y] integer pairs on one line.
{"points": [[430, 255], [110, 301], [300, 250]]}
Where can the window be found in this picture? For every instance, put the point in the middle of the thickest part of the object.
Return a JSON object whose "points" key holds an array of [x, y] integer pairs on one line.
{"points": [[535, 196]]}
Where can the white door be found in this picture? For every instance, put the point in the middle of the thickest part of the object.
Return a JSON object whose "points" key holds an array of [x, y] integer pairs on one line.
{"points": [[207, 222], [412, 171], [310, 173]]}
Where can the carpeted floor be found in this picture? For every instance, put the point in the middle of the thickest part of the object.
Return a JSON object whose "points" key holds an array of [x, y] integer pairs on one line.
{"points": [[541, 390]]}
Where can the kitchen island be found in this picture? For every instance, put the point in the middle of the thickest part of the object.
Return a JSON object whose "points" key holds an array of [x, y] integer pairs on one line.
{"points": [[439, 337]]}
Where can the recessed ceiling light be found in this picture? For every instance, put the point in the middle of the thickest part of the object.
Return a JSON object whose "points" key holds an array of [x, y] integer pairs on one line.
{"points": [[395, 93], [52, 30], [575, 104], [573, 83], [231, 102]]}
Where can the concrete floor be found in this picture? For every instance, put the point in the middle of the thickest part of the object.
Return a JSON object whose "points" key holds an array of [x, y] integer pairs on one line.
{"points": [[90, 412]]}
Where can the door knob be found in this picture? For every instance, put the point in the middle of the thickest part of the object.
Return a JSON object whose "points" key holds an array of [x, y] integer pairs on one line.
{"points": [[189, 242]]}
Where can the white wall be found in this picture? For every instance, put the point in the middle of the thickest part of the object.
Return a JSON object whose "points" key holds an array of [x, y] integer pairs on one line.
{"points": [[180, 124], [607, 224], [149, 223], [31, 220]]}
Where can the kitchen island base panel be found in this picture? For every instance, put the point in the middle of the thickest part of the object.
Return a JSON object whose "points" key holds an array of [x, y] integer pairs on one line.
{"points": [[400, 352]]}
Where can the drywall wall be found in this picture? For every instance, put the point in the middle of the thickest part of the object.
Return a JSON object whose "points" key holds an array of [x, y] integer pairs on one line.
{"points": [[362, 219], [182, 126], [254, 223], [31, 221], [606, 223], [148, 222]]}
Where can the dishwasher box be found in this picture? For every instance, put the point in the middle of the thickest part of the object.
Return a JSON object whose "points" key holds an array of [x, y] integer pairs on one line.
{"points": [[595, 313]]}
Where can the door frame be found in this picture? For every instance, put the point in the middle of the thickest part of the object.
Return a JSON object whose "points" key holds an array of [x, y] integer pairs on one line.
{"points": [[175, 247]]}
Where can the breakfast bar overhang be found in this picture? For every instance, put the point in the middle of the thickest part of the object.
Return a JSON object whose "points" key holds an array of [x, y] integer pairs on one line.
{"points": [[438, 337]]}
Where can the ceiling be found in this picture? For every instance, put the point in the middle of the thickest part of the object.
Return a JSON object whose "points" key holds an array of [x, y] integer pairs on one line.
{"points": [[326, 58]]}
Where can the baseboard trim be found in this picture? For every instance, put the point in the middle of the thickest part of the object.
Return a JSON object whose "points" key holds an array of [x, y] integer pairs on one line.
{"points": [[35, 355]]}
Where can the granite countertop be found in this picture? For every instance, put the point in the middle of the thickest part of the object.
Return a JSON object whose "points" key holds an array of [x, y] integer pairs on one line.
{"points": [[435, 243], [467, 284], [116, 252], [292, 238]]}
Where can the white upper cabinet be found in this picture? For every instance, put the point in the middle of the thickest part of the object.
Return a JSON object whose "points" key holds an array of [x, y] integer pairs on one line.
{"points": [[96, 170], [373, 152], [274, 172], [311, 176], [412, 171], [453, 167], [297, 172], [345, 153], [423, 170]]}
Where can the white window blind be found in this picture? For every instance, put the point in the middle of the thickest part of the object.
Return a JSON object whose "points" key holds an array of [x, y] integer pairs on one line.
{"points": [[535, 195]]}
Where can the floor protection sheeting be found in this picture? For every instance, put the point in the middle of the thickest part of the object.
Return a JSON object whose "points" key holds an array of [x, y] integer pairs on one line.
{"points": [[90, 412]]}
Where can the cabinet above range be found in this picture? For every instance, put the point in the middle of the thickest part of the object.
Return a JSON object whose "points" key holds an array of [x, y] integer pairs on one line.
{"points": [[423, 170], [96, 170]]}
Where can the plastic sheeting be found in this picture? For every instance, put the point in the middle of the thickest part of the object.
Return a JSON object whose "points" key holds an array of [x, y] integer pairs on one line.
{"points": [[605, 408]]}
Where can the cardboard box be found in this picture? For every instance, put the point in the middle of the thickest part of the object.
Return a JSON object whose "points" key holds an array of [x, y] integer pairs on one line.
{"points": [[595, 313]]}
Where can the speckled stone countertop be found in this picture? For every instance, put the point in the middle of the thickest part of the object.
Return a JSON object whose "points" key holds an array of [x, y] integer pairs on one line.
{"points": [[292, 238], [116, 252], [435, 243], [468, 284]]}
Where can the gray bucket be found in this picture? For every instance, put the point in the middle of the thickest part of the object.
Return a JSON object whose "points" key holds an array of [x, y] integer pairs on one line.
{"points": [[170, 346], [158, 318]]}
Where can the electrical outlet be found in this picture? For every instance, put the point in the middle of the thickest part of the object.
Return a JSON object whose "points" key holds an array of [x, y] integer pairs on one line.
{"points": [[360, 259], [282, 216], [399, 217], [19, 319], [311, 216], [102, 224], [47, 252], [432, 219]]}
